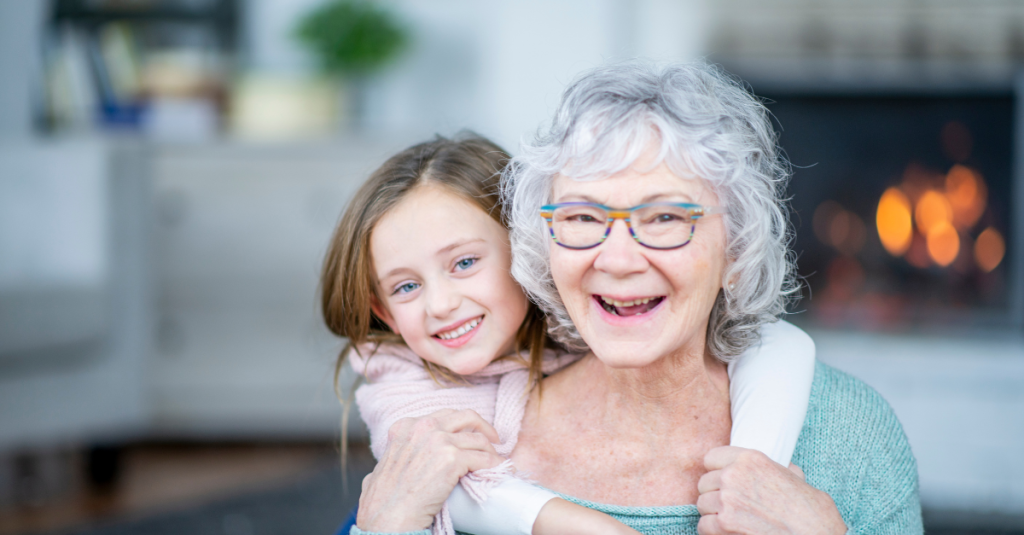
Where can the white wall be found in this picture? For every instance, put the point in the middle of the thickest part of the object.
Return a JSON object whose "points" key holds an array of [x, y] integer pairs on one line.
{"points": [[76, 371], [20, 28], [494, 67]]}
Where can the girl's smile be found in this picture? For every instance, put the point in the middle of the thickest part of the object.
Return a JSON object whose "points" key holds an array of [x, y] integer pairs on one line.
{"points": [[443, 281], [461, 334]]}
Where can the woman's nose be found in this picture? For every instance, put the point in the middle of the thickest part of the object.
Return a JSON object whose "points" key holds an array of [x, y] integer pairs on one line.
{"points": [[620, 254], [442, 299]]}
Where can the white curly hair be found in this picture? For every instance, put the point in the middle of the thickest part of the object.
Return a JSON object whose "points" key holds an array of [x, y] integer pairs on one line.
{"points": [[704, 122]]}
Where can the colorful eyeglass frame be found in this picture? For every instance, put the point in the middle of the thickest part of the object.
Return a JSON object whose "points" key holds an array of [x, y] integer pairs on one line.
{"points": [[694, 212]]}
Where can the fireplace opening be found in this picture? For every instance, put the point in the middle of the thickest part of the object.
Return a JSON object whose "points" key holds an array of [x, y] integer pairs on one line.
{"points": [[903, 208]]}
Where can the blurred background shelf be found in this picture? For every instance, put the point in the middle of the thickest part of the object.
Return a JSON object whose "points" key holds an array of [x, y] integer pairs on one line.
{"points": [[222, 14]]}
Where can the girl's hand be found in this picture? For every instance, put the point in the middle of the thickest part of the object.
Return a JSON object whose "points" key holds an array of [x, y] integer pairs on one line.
{"points": [[424, 461], [746, 492]]}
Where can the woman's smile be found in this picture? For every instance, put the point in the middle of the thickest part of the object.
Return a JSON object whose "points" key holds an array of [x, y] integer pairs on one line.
{"points": [[633, 304], [629, 307]]}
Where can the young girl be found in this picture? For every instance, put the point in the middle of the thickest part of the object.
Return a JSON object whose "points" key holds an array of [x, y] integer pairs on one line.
{"points": [[417, 278]]}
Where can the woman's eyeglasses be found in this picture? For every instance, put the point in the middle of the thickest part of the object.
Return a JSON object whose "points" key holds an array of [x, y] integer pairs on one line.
{"points": [[659, 225]]}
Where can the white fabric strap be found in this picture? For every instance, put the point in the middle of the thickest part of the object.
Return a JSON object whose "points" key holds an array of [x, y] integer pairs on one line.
{"points": [[511, 509], [770, 386]]}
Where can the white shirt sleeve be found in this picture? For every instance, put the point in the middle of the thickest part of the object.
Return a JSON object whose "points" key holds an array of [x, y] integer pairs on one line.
{"points": [[769, 388], [511, 508]]}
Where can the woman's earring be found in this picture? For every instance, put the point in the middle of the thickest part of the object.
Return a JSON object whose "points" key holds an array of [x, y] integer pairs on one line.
{"points": [[732, 286]]}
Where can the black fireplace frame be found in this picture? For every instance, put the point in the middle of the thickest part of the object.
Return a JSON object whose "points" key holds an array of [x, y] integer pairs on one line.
{"points": [[950, 82]]}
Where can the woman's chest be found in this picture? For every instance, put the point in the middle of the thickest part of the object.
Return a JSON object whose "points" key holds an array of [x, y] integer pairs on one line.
{"points": [[614, 468]]}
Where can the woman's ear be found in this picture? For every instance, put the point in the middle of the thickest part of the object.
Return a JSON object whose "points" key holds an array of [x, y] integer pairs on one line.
{"points": [[381, 312], [730, 281]]}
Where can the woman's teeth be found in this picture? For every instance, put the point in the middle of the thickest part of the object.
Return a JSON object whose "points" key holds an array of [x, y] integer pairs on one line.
{"points": [[465, 328], [635, 302], [629, 308]]}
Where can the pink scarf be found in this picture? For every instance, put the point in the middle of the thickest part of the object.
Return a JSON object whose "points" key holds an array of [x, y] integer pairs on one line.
{"points": [[399, 386]]}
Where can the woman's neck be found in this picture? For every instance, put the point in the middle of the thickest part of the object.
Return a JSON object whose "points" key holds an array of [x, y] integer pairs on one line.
{"points": [[663, 419], [666, 394]]}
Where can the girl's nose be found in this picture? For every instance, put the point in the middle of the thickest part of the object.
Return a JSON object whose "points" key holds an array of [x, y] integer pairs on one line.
{"points": [[620, 254], [442, 299]]}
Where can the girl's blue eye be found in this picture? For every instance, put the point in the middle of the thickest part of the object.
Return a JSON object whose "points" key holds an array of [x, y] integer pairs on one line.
{"points": [[465, 263], [406, 288]]}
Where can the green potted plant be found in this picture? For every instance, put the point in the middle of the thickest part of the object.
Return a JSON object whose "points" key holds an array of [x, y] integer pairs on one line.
{"points": [[352, 39]]}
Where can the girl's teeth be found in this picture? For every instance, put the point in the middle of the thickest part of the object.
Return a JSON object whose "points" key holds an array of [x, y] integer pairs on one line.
{"points": [[466, 327]]}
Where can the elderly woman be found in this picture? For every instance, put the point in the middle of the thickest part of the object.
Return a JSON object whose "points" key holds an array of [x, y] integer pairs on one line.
{"points": [[648, 224]]}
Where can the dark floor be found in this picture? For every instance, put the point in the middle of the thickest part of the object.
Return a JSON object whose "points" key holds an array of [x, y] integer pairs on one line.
{"points": [[316, 504], [140, 487], [971, 523], [319, 504], [316, 499]]}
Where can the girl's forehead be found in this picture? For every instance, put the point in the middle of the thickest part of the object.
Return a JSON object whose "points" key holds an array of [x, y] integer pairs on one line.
{"points": [[429, 221]]}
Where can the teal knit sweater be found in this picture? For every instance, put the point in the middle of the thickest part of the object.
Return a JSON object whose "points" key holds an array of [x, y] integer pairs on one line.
{"points": [[851, 446]]}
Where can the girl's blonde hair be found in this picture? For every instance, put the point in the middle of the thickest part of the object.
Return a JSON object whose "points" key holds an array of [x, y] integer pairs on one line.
{"points": [[468, 166]]}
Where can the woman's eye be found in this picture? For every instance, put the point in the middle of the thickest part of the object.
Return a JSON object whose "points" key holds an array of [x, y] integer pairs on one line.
{"points": [[465, 263], [666, 218], [406, 288], [583, 218]]}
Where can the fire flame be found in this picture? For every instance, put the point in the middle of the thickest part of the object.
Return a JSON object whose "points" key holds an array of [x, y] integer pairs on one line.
{"points": [[893, 221], [932, 210], [943, 210], [966, 193], [943, 243], [989, 249]]}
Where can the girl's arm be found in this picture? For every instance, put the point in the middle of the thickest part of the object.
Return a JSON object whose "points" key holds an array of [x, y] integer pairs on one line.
{"points": [[516, 507], [398, 387], [769, 387]]}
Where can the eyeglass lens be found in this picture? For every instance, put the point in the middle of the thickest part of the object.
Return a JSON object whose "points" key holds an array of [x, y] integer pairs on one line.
{"points": [[661, 226]]}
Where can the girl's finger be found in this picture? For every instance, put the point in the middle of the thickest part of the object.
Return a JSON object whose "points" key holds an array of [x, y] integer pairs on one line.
{"points": [[710, 503], [710, 481], [467, 420]]}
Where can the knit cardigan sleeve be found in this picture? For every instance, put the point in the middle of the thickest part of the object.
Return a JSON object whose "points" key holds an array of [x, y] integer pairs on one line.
{"points": [[853, 447]]}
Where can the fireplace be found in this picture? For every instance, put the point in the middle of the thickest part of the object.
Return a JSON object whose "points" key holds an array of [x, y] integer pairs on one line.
{"points": [[905, 207]]}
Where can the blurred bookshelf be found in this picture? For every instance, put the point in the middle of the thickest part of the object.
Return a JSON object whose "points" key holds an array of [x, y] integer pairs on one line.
{"points": [[155, 67], [220, 16]]}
